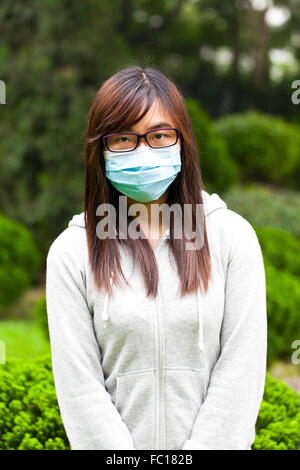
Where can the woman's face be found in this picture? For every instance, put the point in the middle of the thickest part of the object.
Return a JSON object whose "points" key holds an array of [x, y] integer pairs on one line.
{"points": [[155, 118]]}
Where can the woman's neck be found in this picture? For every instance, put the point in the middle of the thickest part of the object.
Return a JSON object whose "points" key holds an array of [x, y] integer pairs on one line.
{"points": [[152, 224]]}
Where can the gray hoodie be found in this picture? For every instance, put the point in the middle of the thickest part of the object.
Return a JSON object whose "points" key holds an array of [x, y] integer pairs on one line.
{"points": [[173, 372]]}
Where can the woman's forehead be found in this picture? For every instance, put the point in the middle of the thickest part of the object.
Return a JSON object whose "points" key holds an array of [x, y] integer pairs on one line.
{"points": [[156, 114]]}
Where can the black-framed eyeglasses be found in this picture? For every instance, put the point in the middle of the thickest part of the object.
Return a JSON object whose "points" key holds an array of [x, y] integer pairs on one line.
{"points": [[128, 141]]}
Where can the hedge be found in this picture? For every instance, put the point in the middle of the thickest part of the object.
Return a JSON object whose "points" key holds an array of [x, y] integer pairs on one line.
{"points": [[281, 252], [266, 148], [30, 418], [29, 413], [278, 423], [219, 170], [281, 248], [283, 300], [19, 260], [261, 206], [40, 313]]}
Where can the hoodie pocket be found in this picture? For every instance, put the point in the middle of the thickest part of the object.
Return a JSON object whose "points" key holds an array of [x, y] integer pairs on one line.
{"points": [[185, 391], [135, 401]]}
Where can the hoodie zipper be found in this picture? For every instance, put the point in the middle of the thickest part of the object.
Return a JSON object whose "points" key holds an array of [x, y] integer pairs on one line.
{"points": [[160, 380], [160, 361]]}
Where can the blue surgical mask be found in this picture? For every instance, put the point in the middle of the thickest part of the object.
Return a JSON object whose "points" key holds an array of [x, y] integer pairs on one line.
{"points": [[143, 174]]}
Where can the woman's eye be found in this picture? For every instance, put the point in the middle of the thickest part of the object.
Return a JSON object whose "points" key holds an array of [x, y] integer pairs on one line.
{"points": [[158, 135]]}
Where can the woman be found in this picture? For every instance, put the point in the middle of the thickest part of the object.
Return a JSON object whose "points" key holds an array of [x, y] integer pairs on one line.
{"points": [[158, 341]]}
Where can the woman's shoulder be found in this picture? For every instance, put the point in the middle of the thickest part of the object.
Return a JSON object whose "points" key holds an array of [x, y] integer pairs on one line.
{"points": [[231, 221], [232, 225], [220, 215], [229, 230], [71, 243]]}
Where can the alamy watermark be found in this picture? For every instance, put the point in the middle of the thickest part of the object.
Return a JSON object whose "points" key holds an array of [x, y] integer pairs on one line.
{"points": [[2, 352], [296, 354], [2, 92], [296, 94], [183, 221]]}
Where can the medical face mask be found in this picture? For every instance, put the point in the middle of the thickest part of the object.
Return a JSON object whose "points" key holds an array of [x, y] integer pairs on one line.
{"points": [[145, 173]]}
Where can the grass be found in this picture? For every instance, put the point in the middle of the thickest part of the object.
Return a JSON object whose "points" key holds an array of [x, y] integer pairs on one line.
{"points": [[23, 339]]}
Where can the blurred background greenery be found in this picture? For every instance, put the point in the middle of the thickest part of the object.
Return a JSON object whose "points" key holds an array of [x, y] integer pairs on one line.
{"points": [[234, 61]]}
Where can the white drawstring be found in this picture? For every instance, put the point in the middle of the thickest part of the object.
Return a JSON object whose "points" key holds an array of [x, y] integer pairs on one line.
{"points": [[105, 309], [200, 321]]}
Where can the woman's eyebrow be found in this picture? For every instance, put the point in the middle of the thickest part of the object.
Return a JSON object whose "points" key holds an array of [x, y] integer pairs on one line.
{"points": [[155, 126]]}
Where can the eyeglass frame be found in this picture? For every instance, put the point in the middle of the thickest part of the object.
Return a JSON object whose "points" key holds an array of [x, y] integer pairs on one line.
{"points": [[140, 136]]}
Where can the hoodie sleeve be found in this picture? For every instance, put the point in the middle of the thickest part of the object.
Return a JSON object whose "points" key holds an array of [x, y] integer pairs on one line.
{"points": [[90, 418], [226, 420]]}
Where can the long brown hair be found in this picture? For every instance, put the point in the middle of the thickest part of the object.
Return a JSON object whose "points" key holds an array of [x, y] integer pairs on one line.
{"points": [[118, 104]]}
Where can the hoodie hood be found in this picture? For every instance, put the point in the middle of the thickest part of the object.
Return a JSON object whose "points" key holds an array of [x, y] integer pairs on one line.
{"points": [[77, 221], [212, 202]]}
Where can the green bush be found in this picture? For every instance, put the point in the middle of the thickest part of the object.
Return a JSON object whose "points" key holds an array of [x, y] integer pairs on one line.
{"points": [[281, 252], [283, 300], [19, 260], [266, 148], [281, 248], [30, 417], [219, 171], [29, 413], [261, 205], [40, 312], [278, 423]]}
